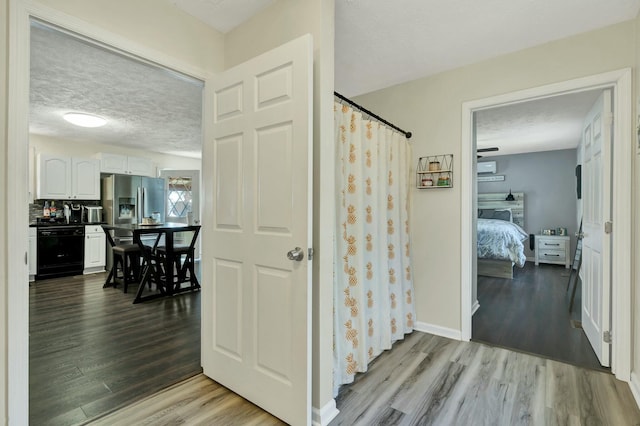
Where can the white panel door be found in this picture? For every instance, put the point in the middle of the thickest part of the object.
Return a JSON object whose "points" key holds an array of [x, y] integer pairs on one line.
{"points": [[257, 191], [596, 245]]}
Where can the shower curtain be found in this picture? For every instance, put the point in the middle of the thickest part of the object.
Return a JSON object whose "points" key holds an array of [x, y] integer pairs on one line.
{"points": [[373, 288]]}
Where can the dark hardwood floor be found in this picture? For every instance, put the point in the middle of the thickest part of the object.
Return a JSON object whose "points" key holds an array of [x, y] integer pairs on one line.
{"points": [[92, 350], [530, 313]]}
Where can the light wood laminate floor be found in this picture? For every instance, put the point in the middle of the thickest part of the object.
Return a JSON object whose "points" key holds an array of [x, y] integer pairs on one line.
{"points": [[423, 380], [431, 380], [196, 401]]}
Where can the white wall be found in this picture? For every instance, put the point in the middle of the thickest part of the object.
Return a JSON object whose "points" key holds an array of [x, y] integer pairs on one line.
{"points": [[4, 49], [431, 109], [157, 24], [635, 366], [284, 21]]}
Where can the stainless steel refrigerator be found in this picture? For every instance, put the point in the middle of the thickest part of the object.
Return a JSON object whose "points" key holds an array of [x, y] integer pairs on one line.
{"points": [[128, 199]]}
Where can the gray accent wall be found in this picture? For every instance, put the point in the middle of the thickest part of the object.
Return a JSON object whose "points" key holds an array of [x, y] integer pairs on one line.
{"points": [[549, 185]]}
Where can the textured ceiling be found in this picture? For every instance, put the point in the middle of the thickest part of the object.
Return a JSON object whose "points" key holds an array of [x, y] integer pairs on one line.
{"points": [[223, 15], [541, 125], [147, 107], [380, 43]]}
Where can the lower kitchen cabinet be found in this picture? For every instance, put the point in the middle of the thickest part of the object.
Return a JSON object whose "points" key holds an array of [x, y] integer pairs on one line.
{"points": [[95, 249], [33, 254]]}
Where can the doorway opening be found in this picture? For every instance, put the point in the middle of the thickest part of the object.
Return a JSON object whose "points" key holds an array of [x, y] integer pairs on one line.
{"points": [[529, 213], [619, 82], [94, 349]]}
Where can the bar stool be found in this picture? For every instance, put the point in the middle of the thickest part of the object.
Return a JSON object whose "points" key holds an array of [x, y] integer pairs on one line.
{"points": [[126, 258]]}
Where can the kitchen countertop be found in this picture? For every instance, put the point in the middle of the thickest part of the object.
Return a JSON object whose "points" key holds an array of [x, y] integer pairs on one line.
{"points": [[44, 224]]}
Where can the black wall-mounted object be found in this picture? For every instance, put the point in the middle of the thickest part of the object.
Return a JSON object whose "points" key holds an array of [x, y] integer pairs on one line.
{"points": [[579, 181]]}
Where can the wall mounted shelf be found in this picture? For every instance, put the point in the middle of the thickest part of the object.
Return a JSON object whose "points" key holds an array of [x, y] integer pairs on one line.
{"points": [[435, 171]]}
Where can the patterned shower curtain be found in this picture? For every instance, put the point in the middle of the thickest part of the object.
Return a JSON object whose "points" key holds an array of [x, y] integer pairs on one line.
{"points": [[373, 288]]}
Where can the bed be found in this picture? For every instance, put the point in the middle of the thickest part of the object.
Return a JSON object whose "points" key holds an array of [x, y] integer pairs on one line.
{"points": [[500, 234]]}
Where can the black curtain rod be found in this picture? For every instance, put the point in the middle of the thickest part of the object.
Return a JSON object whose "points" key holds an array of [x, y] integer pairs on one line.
{"points": [[369, 113]]}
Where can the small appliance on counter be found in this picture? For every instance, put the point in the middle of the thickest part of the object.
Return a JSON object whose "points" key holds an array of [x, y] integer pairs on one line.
{"points": [[76, 213], [67, 213], [92, 214]]}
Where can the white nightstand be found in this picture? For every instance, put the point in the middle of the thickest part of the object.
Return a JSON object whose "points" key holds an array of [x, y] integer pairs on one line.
{"points": [[553, 249]]}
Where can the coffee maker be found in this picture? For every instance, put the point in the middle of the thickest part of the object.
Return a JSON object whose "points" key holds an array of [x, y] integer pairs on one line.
{"points": [[76, 213]]}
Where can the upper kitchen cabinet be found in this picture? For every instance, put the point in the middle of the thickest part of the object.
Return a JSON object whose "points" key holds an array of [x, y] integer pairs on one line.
{"points": [[54, 177], [85, 179], [125, 165], [62, 178]]}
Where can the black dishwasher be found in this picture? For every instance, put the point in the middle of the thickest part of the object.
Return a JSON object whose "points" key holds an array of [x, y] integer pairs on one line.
{"points": [[60, 251]]}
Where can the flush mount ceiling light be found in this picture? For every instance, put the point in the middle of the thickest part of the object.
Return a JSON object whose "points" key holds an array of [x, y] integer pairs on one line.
{"points": [[84, 120]]}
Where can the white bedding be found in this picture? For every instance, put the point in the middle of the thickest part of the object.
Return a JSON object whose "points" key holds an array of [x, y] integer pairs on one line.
{"points": [[501, 240]]}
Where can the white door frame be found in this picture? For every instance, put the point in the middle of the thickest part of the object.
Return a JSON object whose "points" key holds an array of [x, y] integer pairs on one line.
{"points": [[17, 184], [623, 153]]}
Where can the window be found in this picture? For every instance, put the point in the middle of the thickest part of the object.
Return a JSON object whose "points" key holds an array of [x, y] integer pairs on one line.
{"points": [[179, 196]]}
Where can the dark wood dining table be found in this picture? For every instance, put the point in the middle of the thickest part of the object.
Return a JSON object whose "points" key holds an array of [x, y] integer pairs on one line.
{"points": [[149, 247]]}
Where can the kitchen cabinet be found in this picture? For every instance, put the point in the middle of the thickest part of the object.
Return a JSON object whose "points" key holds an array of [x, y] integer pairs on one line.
{"points": [[85, 179], [95, 249], [33, 253], [54, 177], [125, 165], [67, 178]]}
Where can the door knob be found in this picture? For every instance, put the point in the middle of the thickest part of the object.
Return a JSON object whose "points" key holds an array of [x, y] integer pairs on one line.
{"points": [[296, 254], [580, 235]]}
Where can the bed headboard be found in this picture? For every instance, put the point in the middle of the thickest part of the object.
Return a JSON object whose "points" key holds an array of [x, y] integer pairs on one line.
{"points": [[496, 201]]}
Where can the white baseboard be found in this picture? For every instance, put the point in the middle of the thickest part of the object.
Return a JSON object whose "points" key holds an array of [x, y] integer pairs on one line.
{"points": [[475, 307], [438, 330], [634, 384], [324, 415]]}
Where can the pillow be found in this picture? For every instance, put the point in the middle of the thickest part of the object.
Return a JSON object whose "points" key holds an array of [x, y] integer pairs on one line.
{"points": [[499, 214], [503, 214], [485, 213]]}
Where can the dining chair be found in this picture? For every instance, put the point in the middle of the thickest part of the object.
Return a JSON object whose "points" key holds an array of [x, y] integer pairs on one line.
{"points": [[126, 258], [183, 258]]}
